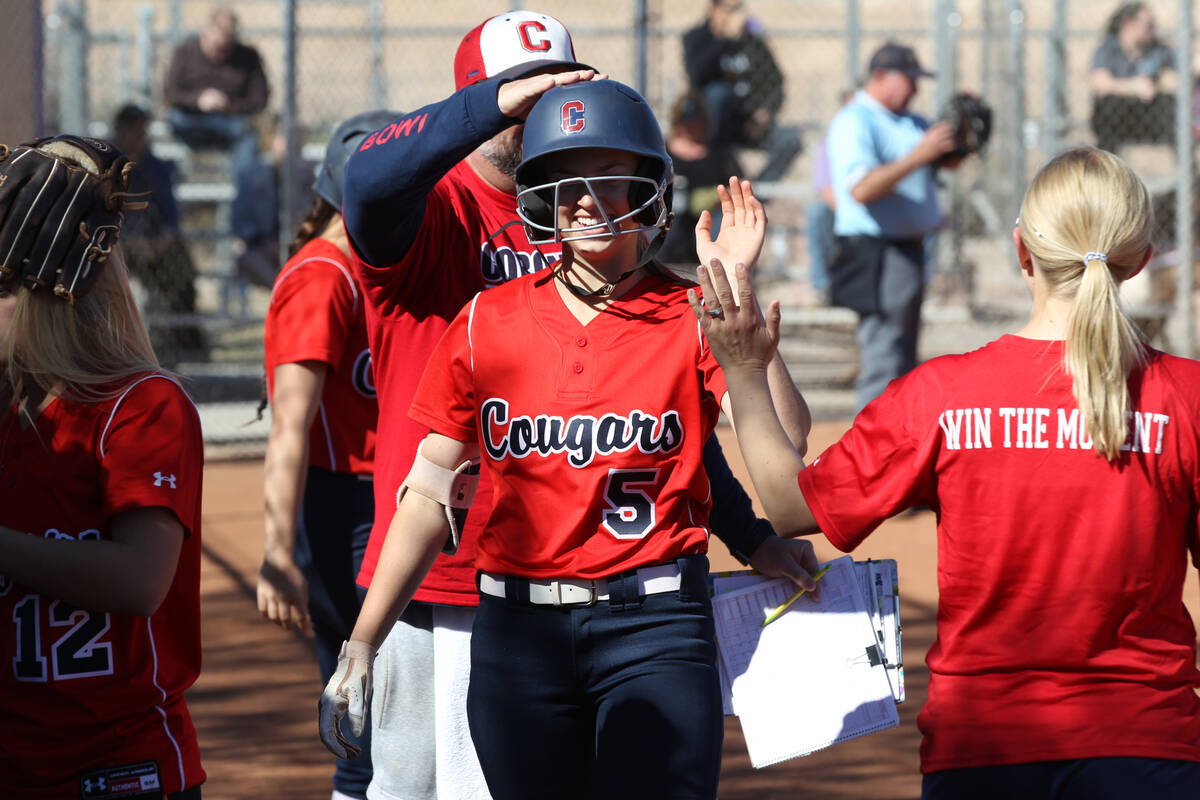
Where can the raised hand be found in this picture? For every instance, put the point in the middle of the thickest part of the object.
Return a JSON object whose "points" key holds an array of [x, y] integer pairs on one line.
{"points": [[741, 337], [743, 228]]}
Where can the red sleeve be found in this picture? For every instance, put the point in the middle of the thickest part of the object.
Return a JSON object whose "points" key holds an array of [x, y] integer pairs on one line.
{"points": [[445, 398], [312, 309], [152, 452], [881, 466]]}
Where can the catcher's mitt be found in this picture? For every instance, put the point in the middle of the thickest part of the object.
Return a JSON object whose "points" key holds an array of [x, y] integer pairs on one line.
{"points": [[971, 119], [62, 202]]}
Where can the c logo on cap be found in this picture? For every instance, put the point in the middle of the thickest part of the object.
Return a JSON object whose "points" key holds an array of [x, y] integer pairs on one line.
{"points": [[539, 45], [573, 119]]}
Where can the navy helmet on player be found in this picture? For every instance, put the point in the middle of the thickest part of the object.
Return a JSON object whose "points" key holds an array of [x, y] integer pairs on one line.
{"points": [[594, 114], [346, 138]]}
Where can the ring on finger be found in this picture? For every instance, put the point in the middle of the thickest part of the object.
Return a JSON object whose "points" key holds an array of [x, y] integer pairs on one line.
{"points": [[714, 312]]}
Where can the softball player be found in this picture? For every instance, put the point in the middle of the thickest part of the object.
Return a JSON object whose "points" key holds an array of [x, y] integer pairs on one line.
{"points": [[100, 472], [589, 393], [317, 481], [430, 208], [1064, 464]]}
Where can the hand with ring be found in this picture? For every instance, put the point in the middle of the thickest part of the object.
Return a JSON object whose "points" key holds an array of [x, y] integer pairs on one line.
{"points": [[741, 337]]}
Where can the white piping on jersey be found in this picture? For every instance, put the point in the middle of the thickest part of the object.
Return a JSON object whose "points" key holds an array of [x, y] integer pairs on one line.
{"points": [[345, 273], [160, 710], [328, 436], [699, 337], [125, 393], [470, 325]]}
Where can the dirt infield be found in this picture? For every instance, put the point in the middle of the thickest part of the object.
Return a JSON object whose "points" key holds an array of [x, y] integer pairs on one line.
{"points": [[255, 702]]}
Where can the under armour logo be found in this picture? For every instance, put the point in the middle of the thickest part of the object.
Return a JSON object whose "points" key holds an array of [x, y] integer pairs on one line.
{"points": [[159, 479], [96, 785]]}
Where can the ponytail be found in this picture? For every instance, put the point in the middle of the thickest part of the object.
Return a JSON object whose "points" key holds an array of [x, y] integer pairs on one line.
{"points": [[1103, 347]]}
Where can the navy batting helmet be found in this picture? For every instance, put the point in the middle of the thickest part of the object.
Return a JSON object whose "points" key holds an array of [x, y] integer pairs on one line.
{"points": [[594, 114], [346, 138]]}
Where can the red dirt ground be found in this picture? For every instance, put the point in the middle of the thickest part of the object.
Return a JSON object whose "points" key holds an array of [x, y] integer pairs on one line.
{"points": [[255, 702]]}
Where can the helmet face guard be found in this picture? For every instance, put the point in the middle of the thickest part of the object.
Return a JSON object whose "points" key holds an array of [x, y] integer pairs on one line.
{"points": [[587, 115], [537, 206]]}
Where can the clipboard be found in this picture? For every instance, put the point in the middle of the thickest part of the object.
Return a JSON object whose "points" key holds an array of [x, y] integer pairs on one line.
{"points": [[793, 697]]}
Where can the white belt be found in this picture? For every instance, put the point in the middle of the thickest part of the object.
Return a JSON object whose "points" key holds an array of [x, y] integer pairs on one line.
{"points": [[581, 591]]}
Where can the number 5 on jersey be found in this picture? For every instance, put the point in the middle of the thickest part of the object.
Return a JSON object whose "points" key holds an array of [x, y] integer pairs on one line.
{"points": [[630, 511]]}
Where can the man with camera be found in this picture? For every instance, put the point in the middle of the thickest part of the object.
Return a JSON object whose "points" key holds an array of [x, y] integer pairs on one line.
{"points": [[882, 160]]}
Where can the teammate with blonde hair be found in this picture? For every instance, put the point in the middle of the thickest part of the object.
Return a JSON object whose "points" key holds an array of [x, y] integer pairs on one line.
{"points": [[1063, 462], [100, 472]]}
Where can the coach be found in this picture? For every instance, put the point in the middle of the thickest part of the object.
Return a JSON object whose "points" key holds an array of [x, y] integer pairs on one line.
{"points": [[880, 155]]}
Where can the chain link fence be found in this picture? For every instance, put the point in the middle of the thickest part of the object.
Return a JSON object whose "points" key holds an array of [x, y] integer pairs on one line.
{"points": [[204, 287]]}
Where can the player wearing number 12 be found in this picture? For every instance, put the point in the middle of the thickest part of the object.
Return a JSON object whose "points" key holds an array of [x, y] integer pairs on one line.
{"points": [[100, 469]]}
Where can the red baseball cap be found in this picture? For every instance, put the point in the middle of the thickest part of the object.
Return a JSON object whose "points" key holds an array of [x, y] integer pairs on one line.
{"points": [[513, 44]]}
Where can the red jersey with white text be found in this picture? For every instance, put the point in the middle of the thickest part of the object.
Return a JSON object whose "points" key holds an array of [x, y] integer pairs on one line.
{"points": [[82, 692], [316, 314], [1061, 629], [592, 433], [465, 244]]}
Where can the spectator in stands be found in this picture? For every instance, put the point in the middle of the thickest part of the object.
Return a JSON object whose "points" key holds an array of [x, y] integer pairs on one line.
{"points": [[700, 167], [256, 210], [155, 251], [214, 86], [727, 58], [1131, 77]]}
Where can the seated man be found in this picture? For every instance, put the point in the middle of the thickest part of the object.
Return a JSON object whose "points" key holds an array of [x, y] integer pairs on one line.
{"points": [[213, 86]]}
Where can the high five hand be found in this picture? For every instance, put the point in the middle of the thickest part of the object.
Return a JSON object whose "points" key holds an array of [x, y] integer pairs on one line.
{"points": [[743, 228], [516, 98], [740, 336]]}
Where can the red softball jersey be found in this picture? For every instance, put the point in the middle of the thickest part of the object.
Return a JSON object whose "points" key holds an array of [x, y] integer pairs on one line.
{"points": [[1061, 629], [85, 693], [467, 242], [316, 314], [592, 433]]}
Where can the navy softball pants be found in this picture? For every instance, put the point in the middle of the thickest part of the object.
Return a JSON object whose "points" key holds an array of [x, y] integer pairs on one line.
{"points": [[619, 699], [331, 538]]}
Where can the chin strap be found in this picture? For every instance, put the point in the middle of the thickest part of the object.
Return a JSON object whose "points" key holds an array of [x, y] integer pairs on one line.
{"points": [[606, 289]]}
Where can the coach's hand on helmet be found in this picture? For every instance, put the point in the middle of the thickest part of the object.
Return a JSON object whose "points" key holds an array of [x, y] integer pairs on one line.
{"points": [[516, 98], [348, 692]]}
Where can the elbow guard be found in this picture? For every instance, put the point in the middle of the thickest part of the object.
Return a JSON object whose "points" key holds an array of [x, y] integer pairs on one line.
{"points": [[454, 489]]}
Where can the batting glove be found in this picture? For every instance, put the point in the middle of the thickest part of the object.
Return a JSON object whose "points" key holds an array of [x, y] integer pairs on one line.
{"points": [[348, 691]]}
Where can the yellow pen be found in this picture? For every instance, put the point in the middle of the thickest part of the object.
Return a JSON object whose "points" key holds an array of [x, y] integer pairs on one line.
{"points": [[777, 613]]}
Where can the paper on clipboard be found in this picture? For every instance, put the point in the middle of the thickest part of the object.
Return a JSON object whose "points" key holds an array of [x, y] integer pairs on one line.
{"points": [[812, 678]]}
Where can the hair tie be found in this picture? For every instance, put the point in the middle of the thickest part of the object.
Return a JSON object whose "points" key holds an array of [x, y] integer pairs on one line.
{"points": [[1094, 256]]}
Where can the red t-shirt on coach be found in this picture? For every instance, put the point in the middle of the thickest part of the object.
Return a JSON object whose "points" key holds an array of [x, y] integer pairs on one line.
{"points": [[1061, 631], [316, 314], [592, 433], [83, 690], [465, 244]]}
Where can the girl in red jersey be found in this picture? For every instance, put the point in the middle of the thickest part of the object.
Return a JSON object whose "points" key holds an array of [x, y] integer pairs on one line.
{"points": [[588, 392], [100, 472], [320, 455], [1064, 465]]}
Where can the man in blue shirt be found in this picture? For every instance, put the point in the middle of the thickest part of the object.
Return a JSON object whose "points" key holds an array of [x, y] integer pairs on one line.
{"points": [[881, 158]]}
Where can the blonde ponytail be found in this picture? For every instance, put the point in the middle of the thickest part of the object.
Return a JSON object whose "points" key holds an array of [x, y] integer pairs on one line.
{"points": [[1086, 220]]}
